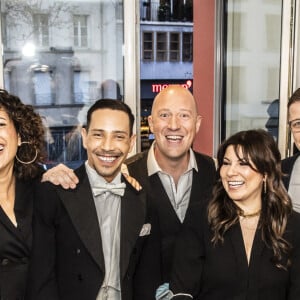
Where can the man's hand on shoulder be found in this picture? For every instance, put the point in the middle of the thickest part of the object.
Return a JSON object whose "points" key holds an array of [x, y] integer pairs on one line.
{"points": [[61, 175]]}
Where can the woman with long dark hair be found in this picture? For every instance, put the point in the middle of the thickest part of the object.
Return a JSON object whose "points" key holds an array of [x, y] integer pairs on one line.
{"points": [[246, 244]]}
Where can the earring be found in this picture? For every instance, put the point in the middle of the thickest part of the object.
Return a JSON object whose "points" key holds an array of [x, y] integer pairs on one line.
{"points": [[265, 186], [26, 162]]}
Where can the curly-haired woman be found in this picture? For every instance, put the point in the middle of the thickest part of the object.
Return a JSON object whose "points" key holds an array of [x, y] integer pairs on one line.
{"points": [[21, 152], [247, 244]]}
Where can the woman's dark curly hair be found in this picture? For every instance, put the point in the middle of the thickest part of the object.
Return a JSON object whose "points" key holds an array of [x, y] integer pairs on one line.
{"points": [[29, 126], [260, 148]]}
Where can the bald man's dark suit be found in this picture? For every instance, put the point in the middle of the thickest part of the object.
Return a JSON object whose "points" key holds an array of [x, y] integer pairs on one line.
{"points": [[170, 224]]}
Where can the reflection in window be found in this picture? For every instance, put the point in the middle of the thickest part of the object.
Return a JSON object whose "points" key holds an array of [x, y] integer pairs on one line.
{"points": [[237, 76], [61, 78], [161, 49], [273, 27], [236, 38], [174, 46], [187, 46], [42, 82], [147, 45], [252, 57], [41, 29], [81, 86], [4, 30], [272, 76], [80, 31]]}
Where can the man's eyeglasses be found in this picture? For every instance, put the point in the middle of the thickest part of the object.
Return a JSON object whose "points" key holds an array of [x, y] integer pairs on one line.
{"points": [[295, 124]]}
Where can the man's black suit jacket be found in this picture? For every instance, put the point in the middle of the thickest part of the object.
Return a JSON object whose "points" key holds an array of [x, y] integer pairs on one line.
{"points": [[170, 224], [15, 243], [287, 165], [67, 257]]}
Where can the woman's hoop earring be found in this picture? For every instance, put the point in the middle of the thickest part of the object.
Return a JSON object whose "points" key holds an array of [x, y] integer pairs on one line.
{"points": [[26, 162], [265, 186]]}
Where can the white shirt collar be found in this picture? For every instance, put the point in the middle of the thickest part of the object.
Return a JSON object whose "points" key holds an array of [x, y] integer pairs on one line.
{"points": [[153, 167]]}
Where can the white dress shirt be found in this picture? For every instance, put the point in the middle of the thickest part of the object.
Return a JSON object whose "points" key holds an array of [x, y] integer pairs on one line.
{"points": [[179, 197], [108, 208]]}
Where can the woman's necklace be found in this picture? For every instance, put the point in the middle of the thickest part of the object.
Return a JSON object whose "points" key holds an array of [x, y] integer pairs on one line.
{"points": [[242, 214]]}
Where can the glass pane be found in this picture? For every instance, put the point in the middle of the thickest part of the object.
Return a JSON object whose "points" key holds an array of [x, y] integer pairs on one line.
{"points": [[61, 56], [171, 61], [252, 65], [187, 47]]}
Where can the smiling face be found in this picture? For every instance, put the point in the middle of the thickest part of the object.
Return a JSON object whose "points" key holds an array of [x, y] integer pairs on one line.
{"points": [[242, 184], [174, 121], [9, 141], [107, 141]]}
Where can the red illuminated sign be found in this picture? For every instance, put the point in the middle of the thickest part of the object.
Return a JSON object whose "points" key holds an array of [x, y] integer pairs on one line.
{"points": [[157, 87]]}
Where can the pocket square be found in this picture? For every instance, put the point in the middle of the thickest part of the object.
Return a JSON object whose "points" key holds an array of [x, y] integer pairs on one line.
{"points": [[146, 229]]}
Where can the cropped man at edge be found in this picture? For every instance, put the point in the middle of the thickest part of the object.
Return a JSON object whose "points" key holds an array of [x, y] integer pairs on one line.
{"points": [[291, 165], [176, 178]]}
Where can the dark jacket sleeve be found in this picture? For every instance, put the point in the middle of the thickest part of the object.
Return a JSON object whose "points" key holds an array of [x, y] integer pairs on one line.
{"points": [[42, 278]]}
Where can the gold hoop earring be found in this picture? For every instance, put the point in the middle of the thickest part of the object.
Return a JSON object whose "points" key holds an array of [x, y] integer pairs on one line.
{"points": [[26, 162]]}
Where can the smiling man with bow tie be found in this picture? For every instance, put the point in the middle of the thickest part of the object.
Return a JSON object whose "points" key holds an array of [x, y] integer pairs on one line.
{"points": [[98, 241]]}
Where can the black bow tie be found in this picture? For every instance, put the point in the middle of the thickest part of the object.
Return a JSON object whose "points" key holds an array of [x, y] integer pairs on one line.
{"points": [[117, 189]]}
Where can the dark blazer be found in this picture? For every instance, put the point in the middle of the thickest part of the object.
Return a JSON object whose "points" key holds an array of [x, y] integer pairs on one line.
{"points": [[221, 272], [15, 243], [287, 165], [170, 224], [67, 256]]}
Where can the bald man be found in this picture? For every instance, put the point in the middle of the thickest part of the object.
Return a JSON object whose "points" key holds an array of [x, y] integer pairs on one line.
{"points": [[175, 177]]}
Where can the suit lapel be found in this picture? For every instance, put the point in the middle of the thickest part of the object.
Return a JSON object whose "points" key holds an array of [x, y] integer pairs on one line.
{"points": [[23, 210], [161, 197], [157, 195], [133, 215], [80, 206]]}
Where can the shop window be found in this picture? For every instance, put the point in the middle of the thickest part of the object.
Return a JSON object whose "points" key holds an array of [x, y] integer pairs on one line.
{"points": [[41, 29], [80, 31], [81, 86], [187, 46], [161, 46], [148, 46], [174, 46]]}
